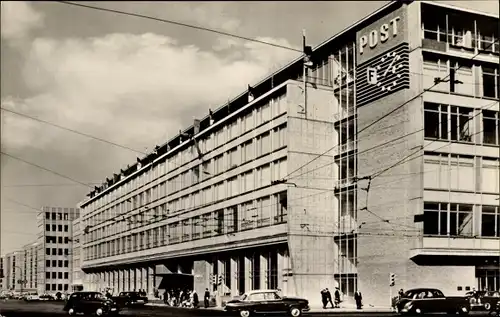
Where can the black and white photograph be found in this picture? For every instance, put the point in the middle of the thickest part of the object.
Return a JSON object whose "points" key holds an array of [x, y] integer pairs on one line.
{"points": [[250, 158]]}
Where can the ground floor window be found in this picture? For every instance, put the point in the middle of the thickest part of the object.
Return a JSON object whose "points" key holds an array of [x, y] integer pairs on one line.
{"points": [[348, 283], [488, 279]]}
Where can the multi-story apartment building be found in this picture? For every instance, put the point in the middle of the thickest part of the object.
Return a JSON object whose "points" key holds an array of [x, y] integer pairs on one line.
{"points": [[378, 165], [28, 262], [78, 275], [54, 255], [13, 274]]}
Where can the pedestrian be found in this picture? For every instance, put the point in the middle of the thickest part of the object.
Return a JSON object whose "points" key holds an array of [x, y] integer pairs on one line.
{"points": [[329, 297], [206, 298], [324, 297], [359, 299], [196, 301], [337, 297]]}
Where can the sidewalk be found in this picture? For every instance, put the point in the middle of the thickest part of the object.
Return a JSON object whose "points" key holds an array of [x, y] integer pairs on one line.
{"points": [[314, 310]]}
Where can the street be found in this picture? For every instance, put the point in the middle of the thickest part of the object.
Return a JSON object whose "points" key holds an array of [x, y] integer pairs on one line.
{"points": [[15, 308]]}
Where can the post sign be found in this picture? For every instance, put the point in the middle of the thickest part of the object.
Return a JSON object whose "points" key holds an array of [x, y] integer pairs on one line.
{"points": [[382, 35], [382, 58]]}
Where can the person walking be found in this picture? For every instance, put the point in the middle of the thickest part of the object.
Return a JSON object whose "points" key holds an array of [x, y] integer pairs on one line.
{"points": [[337, 297], [196, 301], [358, 298], [329, 297], [324, 297], [206, 298]]}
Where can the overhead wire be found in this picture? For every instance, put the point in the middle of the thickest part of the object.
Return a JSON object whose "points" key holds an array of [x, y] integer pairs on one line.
{"points": [[437, 82], [143, 16]]}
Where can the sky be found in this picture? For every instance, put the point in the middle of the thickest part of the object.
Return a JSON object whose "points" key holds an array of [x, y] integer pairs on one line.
{"points": [[131, 81]]}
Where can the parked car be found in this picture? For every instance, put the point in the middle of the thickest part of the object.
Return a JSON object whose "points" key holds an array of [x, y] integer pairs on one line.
{"points": [[31, 297], [130, 299], [483, 300], [90, 303], [267, 301], [46, 297], [431, 300]]}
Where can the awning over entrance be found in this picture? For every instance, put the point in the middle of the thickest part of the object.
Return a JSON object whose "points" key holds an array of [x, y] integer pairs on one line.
{"points": [[175, 281]]}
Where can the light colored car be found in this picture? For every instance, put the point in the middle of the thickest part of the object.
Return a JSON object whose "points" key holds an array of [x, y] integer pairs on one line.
{"points": [[32, 297]]}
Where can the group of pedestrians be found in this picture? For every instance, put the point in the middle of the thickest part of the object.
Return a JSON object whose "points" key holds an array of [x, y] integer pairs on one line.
{"points": [[181, 298], [326, 298]]}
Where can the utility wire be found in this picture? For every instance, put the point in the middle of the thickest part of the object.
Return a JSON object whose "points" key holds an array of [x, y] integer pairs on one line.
{"points": [[45, 169], [179, 24], [392, 111], [71, 130]]}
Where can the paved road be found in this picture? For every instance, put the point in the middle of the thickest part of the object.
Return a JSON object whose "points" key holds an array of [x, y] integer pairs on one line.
{"points": [[15, 308]]}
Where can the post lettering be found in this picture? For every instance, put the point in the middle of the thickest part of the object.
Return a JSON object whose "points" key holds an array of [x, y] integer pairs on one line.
{"points": [[373, 39], [362, 43], [394, 26], [384, 32]]}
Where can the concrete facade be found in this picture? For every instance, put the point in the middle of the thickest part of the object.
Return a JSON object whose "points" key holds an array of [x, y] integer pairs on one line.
{"points": [[305, 187], [20, 269]]}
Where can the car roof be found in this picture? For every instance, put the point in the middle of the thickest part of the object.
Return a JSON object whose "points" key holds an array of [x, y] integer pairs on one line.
{"points": [[422, 289], [261, 291]]}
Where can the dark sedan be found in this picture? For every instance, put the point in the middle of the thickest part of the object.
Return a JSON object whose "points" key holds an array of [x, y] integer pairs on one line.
{"points": [[483, 299], [130, 299], [90, 303], [267, 301], [431, 300]]}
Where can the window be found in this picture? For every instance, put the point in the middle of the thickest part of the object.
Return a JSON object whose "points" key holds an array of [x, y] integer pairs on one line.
{"points": [[65, 287], [434, 27], [54, 228], [490, 174], [219, 222], [59, 251], [54, 275], [59, 228], [232, 219], [491, 127], [490, 221], [233, 159], [54, 263], [47, 263], [47, 287], [263, 144], [47, 227], [60, 239], [218, 164], [53, 216], [436, 123], [435, 68], [59, 287], [54, 251], [247, 151], [279, 137], [59, 263], [59, 275], [47, 215], [281, 207], [47, 275], [458, 221], [66, 275], [490, 82]]}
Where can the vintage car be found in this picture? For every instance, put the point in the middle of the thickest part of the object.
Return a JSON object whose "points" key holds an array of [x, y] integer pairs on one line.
{"points": [[130, 299], [266, 301], [431, 300], [90, 303], [483, 300]]}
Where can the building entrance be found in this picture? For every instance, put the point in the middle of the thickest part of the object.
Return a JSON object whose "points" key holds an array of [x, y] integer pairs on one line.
{"points": [[488, 279]]}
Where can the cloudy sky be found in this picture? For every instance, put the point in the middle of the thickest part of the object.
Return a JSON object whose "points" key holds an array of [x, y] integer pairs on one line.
{"points": [[131, 81]]}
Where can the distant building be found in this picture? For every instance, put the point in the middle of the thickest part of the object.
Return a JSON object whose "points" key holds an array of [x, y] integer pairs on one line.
{"points": [[78, 275], [385, 163], [13, 274], [28, 262], [55, 256]]}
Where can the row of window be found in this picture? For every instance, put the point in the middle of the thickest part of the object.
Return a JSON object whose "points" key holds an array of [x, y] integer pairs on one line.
{"points": [[449, 219], [54, 239], [262, 212], [56, 263], [236, 185], [56, 287], [461, 172], [454, 123], [270, 109], [56, 275], [57, 215], [56, 228], [56, 251], [450, 28], [478, 80]]}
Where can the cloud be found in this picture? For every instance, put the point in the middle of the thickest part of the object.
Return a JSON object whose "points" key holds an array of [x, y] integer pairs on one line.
{"points": [[130, 89], [18, 18]]}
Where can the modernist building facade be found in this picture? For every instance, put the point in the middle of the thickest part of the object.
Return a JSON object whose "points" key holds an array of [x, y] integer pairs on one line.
{"points": [[55, 233], [20, 269], [77, 273], [380, 165]]}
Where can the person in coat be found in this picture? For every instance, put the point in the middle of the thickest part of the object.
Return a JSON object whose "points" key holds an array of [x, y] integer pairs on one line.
{"points": [[337, 297], [324, 297], [206, 298], [329, 297], [358, 298], [196, 301]]}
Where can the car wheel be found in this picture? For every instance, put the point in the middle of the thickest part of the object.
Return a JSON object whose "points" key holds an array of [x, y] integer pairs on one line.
{"points": [[295, 312], [99, 312], [244, 313], [71, 311], [487, 306]]}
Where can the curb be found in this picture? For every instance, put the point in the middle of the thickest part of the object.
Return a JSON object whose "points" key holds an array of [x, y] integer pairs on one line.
{"points": [[311, 312]]}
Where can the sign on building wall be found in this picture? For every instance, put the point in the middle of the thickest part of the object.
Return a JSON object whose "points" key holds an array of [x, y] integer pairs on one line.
{"points": [[382, 58]]}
